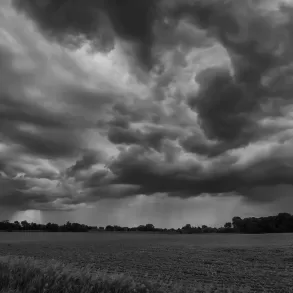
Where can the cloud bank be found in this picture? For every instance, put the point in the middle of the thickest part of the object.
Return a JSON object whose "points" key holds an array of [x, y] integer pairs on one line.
{"points": [[119, 99]]}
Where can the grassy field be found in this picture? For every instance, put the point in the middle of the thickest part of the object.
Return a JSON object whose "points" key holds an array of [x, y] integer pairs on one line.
{"points": [[28, 275], [263, 263]]}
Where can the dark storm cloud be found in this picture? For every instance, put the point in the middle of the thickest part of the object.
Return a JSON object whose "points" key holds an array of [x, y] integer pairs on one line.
{"points": [[28, 124], [140, 167], [224, 109], [156, 145], [119, 135], [88, 159], [183, 33], [124, 113], [196, 144], [98, 178], [43, 146], [119, 121], [14, 110], [22, 192], [40, 127], [72, 22], [227, 101], [138, 111], [152, 137], [147, 170], [16, 193], [14, 107], [42, 141], [10, 170]]}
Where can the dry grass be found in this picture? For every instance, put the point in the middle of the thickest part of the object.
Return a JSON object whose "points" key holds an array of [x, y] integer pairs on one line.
{"points": [[263, 263]]}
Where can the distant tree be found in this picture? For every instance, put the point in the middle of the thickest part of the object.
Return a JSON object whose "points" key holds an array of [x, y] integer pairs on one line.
{"points": [[109, 228], [204, 229], [34, 226], [25, 225], [149, 227], [5, 225], [51, 227], [238, 224], [141, 228], [186, 227]]}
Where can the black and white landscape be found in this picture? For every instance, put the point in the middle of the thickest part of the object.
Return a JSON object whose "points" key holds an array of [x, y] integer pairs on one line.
{"points": [[131, 112]]}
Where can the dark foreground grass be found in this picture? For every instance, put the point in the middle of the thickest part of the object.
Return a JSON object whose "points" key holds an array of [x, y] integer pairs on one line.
{"points": [[28, 275]]}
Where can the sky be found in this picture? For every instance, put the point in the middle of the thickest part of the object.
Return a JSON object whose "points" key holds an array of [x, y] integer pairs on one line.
{"points": [[128, 112]]}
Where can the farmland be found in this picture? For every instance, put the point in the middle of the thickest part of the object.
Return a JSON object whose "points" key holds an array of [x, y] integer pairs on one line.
{"points": [[264, 263]]}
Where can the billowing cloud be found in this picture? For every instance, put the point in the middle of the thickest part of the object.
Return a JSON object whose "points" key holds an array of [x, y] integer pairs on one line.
{"points": [[98, 22], [115, 100]]}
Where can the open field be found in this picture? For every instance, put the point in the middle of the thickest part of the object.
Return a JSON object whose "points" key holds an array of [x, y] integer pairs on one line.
{"points": [[27, 275], [262, 262]]}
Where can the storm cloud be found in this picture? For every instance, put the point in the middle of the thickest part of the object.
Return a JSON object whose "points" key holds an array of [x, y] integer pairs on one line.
{"points": [[120, 99], [98, 22]]}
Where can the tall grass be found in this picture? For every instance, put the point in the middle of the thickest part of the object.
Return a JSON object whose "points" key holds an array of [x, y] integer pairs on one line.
{"points": [[27, 275]]}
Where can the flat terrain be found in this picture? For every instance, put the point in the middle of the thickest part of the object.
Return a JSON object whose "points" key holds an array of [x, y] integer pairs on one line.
{"points": [[262, 262]]}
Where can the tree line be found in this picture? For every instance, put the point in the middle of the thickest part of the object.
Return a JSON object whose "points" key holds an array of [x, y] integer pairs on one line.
{"points": [[282, 223]]}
